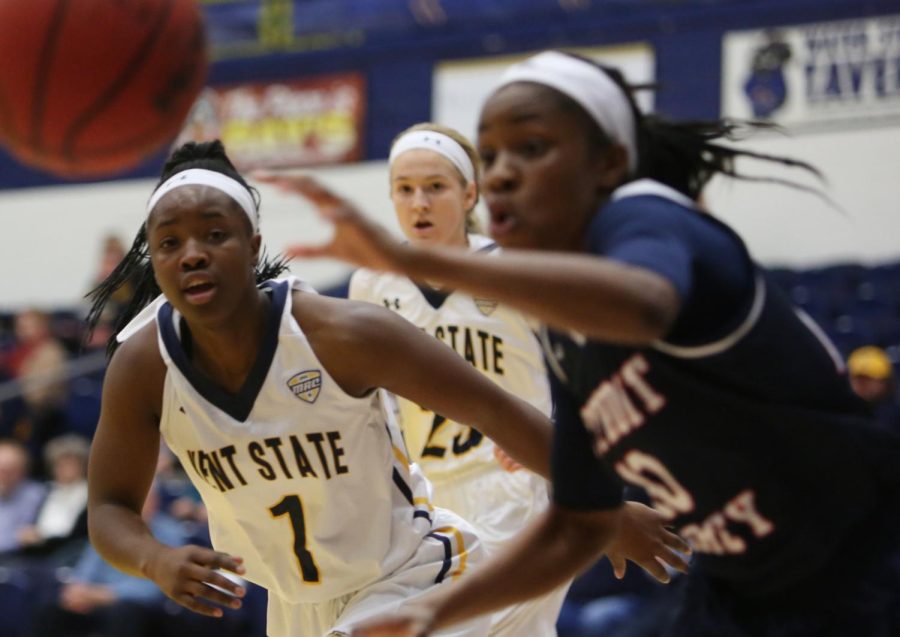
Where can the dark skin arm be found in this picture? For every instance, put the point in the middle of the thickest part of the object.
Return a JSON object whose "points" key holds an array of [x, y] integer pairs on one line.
{"points": [[365, 346], [552, 549], [597, 297], [121, 469]]}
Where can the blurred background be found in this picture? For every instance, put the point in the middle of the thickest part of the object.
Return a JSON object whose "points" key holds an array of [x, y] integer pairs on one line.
{"points": [[325, 85]]}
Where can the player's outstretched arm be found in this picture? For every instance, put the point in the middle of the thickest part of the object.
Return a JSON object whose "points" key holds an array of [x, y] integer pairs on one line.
{"points": [[364, 347], [599, 298], [554, 548], [122, 465]]}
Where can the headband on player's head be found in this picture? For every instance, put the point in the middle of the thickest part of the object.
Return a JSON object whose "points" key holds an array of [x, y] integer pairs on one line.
{"points": [[589, 86], [213, 179], [438, 143]]}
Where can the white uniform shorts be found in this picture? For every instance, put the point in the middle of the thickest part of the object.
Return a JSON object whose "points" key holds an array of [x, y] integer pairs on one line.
{"points": [[499, 504], [442, 557]]}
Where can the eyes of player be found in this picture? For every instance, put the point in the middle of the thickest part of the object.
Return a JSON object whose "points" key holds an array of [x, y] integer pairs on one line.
{"points": [[167, 243], [217, 235], [487, 156], [213, 236], [433, 187], [533, 147]]}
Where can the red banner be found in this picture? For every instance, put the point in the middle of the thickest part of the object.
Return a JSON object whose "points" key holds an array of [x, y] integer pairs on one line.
{"points": [[284, 124]]}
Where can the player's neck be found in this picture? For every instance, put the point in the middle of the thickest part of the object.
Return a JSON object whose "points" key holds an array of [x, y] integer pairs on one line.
{"points": [[227, 353]]}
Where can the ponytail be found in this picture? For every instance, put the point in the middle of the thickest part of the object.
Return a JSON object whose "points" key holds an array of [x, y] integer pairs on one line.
{"points": [[136, 268]]}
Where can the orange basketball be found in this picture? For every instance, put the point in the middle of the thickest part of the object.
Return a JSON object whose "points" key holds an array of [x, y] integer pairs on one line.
{"points": [[92, 87]]}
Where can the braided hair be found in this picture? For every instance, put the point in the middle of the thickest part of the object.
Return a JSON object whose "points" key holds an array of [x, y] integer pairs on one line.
{"points": [[135, 267], [686, 155]]}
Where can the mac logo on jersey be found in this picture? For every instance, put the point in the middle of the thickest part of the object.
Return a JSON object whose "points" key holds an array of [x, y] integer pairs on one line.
{"points": [[306, 385], [485, 306]]}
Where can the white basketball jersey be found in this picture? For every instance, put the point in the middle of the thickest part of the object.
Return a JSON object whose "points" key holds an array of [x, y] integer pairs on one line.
{"points": [[311, 486], [497, 341]]}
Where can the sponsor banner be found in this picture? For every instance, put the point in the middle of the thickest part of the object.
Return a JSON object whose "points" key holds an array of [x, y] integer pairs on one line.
{"points": [[460, 87], [827, 74], [292, 123]]}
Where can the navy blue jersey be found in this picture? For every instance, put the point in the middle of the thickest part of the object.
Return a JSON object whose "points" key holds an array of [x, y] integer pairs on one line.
{"points": [[740, 424]]}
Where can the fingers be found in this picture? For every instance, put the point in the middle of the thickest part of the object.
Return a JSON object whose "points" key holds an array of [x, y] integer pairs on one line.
{"points": [[306, 252], [673, 559], [656, 568], [676, 542], [205, 587], [505, 460], [399, 627], [619, 565], [197, 605]]}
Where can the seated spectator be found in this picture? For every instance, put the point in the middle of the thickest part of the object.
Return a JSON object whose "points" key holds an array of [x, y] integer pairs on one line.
{"points": [[38, 362], [98, 598], [61, 525], [178, 496], [872, 378], [20, 498]]}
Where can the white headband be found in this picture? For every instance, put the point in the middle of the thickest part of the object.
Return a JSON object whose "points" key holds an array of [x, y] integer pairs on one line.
{"points": [[588, 85], [437, 143], [213, 179]]}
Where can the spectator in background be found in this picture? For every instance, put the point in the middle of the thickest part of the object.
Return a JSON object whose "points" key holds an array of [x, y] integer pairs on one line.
{"points": [[61, 526], [872, 378], [38, 362], [179, 498], [99, 598], [20, 498]]}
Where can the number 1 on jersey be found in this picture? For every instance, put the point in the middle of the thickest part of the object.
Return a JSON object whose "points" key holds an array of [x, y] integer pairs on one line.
{"points": [[291, 506]]}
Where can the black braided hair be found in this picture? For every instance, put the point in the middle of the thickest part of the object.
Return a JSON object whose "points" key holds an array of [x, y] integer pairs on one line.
{"points": [[135, 266], [686, 155]]}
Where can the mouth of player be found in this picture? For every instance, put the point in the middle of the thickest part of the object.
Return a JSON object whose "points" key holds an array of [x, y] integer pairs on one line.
{"points": [[503, 221], [422, 227], [200, 292]]}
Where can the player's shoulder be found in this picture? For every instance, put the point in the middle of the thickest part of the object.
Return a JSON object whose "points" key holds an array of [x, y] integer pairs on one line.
{"points": [[137, 366], [367, 285], [327, 319], [646, 197], [138, 350]]}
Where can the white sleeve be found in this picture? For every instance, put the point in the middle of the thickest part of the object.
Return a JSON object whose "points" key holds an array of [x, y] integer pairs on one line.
{"points": [[361, 286]]}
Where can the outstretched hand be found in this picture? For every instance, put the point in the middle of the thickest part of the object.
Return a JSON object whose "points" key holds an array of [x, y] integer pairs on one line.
{"points": [[643, 538], [357, 239], [189, 576], [506, 461]]}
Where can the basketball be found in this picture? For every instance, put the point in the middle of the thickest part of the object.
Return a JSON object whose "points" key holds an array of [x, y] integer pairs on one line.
{"points": [[92, 87]]}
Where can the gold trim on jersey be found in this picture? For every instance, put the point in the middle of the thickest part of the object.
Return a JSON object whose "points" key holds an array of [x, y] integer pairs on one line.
{"points": [[461, 543]]}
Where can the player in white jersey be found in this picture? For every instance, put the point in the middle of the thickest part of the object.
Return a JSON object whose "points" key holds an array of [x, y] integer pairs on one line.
{"points": [[434, 188], [268, 395]]}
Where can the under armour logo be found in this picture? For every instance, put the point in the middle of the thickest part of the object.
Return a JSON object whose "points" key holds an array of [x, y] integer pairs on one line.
{"points": [[391, 303]]}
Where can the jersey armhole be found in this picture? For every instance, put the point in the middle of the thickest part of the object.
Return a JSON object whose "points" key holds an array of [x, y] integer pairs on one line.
{"points": [[725, 342]]}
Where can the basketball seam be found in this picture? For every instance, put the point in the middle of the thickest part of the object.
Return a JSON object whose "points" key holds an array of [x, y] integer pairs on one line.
{"points": [[119, 83], [39, 97]]}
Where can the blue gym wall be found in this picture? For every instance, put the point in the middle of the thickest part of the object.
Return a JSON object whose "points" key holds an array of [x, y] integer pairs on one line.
{"points": [[396, 47]]}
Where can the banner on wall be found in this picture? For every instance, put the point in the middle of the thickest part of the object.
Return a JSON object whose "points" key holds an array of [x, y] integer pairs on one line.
{"points": [[821, 75], [286, 124], [459, 87]]}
